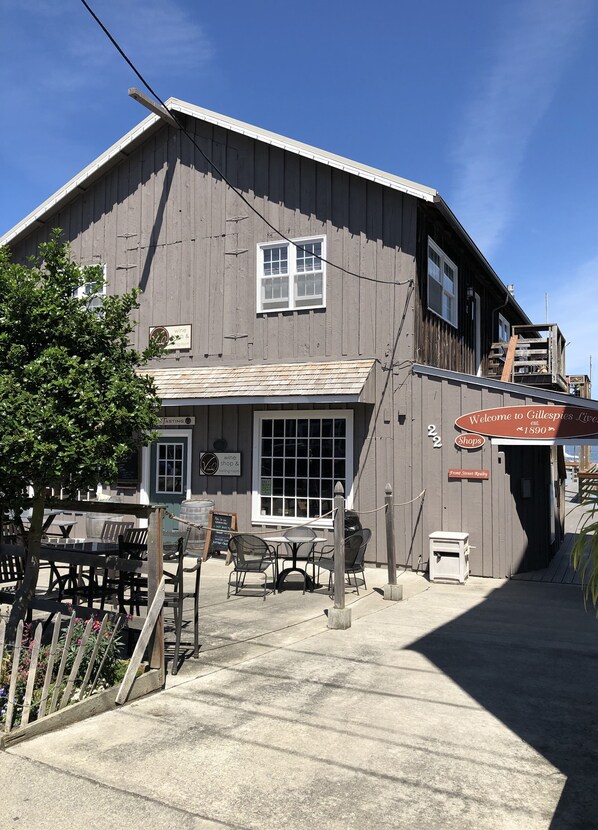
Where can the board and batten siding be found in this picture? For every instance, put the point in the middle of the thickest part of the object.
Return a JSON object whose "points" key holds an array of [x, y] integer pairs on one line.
{"points": [[507, 533], [163, 220], [438, 343]]}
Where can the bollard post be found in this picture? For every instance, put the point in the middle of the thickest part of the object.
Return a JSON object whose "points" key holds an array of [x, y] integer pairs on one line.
{"points": [[392, 591], [339, 617]]}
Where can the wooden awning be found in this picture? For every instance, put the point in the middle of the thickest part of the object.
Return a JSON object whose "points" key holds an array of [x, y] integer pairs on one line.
{"points": [[339, 381]]}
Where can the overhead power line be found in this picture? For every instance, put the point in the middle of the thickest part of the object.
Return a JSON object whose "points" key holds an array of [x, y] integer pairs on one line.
{"points": [[174, 115]]}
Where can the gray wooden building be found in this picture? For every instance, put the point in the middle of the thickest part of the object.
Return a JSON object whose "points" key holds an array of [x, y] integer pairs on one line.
{"points": [[308, 317]]}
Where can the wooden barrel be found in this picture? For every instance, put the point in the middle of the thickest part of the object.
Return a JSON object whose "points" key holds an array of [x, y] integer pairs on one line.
{"points": [[196, 511], [94, 523]]}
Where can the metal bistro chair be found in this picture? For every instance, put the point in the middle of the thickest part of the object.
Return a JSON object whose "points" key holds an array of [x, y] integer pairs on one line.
{"points": [[301, 538], [355, 547], [250, 555]]}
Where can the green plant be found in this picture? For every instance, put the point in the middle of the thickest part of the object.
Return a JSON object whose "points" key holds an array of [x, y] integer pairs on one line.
{"points": [[584, 555], [108, 666], [72, 401]]}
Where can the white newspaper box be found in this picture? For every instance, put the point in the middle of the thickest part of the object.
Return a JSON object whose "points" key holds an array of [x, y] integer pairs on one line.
{"points": [[449, 556]]}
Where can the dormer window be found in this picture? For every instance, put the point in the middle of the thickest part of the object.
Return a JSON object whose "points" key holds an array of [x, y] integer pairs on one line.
{"points": [[291, 275], [442, 284]]}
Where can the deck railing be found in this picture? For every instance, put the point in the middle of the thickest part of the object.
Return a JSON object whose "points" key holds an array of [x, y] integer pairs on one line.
{"points": [[534, 356]]}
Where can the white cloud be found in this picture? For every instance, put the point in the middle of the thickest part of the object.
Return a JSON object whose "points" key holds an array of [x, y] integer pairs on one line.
{"points": [[512, 96], [160, 34]]}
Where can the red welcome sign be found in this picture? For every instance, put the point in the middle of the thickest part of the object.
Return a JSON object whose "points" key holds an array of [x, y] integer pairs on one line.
{"points": [[467, 441], [535, 421]]}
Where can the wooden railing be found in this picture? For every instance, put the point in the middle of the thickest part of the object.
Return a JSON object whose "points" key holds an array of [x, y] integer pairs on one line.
{"points": [[534, 356]]}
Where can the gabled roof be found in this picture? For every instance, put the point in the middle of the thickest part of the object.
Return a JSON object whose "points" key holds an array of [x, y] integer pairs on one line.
{"points": [[126, 144]]}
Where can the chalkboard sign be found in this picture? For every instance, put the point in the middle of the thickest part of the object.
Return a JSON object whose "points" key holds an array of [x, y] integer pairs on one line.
{"points": [[217, 532], [129, 469]]}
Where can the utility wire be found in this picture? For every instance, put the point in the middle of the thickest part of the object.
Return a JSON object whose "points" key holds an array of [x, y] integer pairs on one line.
{"points": [[217, 170]]}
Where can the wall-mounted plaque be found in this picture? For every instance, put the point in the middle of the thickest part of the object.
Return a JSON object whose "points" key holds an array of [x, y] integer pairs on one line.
{"points": [[474, 475], [178, 421], [220, 463], [181, 334]]}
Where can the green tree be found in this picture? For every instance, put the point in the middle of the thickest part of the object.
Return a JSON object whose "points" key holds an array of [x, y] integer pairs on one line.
{"points": [[71, 402]]}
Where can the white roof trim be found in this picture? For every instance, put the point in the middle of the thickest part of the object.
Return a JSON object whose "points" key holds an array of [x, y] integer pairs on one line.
{"points": [[78, 181], [305, 150], [322, 156], [504, 386]]}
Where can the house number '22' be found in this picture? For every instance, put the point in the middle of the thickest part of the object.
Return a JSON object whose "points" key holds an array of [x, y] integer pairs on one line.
{"points": [[433, 434]]}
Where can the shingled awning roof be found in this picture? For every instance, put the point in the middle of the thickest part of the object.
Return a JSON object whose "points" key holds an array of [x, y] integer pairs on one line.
{"points": [[339, 381]]}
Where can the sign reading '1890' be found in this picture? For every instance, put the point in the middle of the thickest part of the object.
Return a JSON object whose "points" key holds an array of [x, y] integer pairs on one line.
{"points": [[536, 421]]}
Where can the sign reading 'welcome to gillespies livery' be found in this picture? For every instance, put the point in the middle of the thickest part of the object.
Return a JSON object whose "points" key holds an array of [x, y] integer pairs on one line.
{"points": [[535, 421]]}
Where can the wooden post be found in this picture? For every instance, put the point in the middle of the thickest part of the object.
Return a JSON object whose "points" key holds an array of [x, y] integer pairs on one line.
{"points": [[339, 617], [154, 578], [392, 591]]}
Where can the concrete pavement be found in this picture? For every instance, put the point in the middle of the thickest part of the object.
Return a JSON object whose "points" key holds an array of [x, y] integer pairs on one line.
{"points": [[461, 707]]}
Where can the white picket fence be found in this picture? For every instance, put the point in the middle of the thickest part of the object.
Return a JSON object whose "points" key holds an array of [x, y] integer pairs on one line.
{"points": [[56, 689]]}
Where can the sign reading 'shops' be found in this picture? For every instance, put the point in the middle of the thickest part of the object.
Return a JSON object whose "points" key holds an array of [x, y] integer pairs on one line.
{"points": [[467, 441]]}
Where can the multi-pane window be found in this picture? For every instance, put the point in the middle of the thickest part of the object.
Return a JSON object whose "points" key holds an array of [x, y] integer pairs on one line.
{"points": [[291, 276], [169, 467], [88, 290], [299, 459], [442, 284]]}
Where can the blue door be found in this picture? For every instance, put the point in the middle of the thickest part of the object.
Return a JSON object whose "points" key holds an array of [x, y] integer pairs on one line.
{"points": [[169, 465]]}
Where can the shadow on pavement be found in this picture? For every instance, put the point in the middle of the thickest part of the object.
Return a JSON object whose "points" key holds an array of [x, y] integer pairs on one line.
{"points": [[529, 655]]}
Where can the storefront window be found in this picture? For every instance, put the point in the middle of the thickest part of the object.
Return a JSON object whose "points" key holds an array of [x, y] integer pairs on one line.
{"points": [[299, 458]]}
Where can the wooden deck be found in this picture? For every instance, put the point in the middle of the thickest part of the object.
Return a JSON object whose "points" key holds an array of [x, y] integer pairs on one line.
{"points": [[560, 570]]}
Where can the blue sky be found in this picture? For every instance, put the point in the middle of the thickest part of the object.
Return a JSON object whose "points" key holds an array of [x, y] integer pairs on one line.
{"points": [[493, 104]]}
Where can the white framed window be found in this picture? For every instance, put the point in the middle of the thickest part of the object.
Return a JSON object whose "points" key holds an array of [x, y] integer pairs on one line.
{"points": [[504, 329], [298, 457], [291, 276], [87, 290], [169, 468], [442, 284]]}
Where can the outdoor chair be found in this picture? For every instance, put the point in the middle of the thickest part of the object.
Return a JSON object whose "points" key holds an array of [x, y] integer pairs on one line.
{"points": [[112, 530], [133, 590], [301, 539], [9, 532], [250, 555], [132, 544], [12, 564], [355, 547]]}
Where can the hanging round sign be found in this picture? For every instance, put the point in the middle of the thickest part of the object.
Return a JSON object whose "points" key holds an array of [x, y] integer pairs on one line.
{"points": [[470, 441]]}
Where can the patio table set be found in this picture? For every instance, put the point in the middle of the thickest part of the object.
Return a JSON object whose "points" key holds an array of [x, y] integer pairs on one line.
{"points": [[107, 575], [254, 555]]}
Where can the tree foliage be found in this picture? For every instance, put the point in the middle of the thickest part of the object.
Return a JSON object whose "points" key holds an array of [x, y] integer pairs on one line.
{"points": [[71, 401]]}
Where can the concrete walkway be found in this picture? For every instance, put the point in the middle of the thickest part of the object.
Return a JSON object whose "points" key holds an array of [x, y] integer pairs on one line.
{"points": [[461, 707]]}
